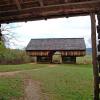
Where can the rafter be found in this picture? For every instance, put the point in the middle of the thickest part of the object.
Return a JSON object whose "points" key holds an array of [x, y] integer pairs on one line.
{"points": [[41, 3], [51, 11], [81, 6], [26, 2], [18, 4]]}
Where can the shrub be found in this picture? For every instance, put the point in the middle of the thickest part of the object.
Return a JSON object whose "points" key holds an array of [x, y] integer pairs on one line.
{"points": [[10, 56]]}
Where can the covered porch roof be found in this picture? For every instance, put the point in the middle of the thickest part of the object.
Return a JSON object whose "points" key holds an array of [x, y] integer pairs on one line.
{"points": [[29, 10]]}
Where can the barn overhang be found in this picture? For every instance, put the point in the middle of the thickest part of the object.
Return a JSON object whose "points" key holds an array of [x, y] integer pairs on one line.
{"points": [[76, 53]]}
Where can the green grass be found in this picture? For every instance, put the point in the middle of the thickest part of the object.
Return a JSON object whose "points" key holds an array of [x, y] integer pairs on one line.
{"points": [[11, 88], [58, 82], [8, 68], [66, 82]]}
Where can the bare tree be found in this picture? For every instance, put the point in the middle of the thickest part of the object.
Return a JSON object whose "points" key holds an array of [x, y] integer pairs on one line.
{"points": [[7, 34]]}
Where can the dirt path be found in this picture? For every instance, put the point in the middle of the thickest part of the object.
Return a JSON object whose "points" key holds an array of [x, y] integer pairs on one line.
{"points": [[53, 65], [9, 73], [32, 90]]}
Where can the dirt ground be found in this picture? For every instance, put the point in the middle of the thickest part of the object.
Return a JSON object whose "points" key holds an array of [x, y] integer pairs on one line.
{"points": [[9, 73], [32, 90]]}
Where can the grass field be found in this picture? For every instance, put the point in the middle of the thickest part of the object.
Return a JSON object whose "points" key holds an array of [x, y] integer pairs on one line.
{"points": [[11, 88], [66, 82], [8, 68], [58, 82]]}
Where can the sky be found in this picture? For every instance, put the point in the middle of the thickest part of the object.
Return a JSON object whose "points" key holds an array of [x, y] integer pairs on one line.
{"points": [[73, 27]]}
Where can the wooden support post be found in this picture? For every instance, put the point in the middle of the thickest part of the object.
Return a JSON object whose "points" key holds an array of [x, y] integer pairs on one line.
{"points": [[94, 57], [0, 33], [50, 58]]}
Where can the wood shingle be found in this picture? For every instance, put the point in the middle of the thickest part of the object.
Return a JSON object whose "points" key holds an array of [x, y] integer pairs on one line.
{"points": [[57, 44]]}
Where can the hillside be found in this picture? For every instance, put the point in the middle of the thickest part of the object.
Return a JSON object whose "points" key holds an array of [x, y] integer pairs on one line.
{"points": [[89, 51]]}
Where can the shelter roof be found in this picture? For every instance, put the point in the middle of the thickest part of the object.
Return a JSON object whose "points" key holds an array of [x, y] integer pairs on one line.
{"points": [[27, 10]]}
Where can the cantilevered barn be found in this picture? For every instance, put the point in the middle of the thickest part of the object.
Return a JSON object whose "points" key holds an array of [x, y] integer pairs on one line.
{"points": [[44, 49], [29, 10]]}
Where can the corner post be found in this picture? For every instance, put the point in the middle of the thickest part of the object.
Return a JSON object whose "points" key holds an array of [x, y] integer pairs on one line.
{"points": [[94, 57], [0, 33]]}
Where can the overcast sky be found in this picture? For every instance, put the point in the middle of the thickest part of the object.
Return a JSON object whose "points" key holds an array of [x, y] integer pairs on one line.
{"points": [[73, 27]]}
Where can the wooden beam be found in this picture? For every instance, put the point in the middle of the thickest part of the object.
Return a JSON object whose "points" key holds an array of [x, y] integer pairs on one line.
{"points": [[41, 3], [69, 6], [18, 4], [64, 10], [0, 33], [32, 18], [72, 7], [94, 57], [21, 2], [62, 1]]}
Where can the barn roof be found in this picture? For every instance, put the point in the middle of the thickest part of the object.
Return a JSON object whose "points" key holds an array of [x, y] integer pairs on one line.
{"points": [[25, 10], [57, 44]]}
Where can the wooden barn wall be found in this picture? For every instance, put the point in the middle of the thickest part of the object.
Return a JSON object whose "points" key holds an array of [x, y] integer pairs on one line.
{"points": [[73, 53], [38, 53], [63, 53]]}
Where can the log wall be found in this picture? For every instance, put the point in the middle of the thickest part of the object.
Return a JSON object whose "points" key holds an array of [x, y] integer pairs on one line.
{"points": [[73, 53], [63, 53], [38, 53]]}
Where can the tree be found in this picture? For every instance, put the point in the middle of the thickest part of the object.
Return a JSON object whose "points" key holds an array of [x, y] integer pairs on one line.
{"points": [[2, 47], [7, 34], [8, 55]]}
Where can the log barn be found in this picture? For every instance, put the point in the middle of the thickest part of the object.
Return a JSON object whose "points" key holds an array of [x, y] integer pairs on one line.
{"points": [[44, 49]]}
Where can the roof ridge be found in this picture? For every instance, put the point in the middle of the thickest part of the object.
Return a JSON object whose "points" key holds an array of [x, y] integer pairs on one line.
{"points": [[54, 38]]}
